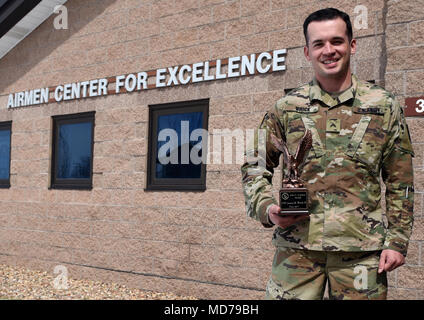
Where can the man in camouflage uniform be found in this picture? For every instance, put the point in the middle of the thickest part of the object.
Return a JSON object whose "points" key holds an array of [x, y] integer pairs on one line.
{"points": [[360, 137]]}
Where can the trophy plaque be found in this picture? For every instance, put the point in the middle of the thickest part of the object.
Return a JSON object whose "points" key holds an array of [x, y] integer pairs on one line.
{"points": [[293, 194]]}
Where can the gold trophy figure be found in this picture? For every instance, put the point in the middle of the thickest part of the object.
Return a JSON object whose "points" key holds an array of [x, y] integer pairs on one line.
{"points": [[293, 194]]}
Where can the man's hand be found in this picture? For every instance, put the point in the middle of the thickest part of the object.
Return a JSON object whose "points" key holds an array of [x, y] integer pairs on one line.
{"points": [[390, 260], [283, 222]]}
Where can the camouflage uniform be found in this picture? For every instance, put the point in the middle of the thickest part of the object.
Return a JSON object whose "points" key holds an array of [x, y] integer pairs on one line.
{"points": [[359, 138], [302, 274]]}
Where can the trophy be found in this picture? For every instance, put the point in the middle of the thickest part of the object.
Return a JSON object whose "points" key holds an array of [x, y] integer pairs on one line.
{"points": [[293, 194]]}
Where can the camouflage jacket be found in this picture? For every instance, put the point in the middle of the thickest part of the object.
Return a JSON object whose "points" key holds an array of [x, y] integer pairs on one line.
{"points": [[359, 139]]}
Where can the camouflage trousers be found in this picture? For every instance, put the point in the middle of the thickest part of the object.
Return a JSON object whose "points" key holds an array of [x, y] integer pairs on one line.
{"points": [[303, 274]]}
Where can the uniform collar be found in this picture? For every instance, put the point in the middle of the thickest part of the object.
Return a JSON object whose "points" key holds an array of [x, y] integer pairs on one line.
{"points": [[316, 93]]}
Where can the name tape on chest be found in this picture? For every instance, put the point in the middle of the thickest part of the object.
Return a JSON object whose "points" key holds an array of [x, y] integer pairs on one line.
{"points": [[311, 109], [302, 109], [372, 110]]}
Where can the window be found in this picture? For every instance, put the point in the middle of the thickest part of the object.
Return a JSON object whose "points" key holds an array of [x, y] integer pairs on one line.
{"points": [[177, 146], [5, 136], [72, 160]]}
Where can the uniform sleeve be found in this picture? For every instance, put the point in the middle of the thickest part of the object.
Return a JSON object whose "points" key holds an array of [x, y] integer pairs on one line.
{"points": [[397, 175], [262, 157]]}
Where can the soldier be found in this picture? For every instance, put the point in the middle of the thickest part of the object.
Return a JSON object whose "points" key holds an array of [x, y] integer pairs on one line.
{"points": [[360, 138]]}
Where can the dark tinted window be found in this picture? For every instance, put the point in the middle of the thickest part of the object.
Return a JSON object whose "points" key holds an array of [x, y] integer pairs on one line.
{"points": [[180, 123], [177, 139], [73, 151], [5, 136]]}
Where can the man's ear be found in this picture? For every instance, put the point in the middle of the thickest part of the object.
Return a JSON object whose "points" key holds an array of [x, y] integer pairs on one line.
{"points": [[306, 52], [353, 46]]}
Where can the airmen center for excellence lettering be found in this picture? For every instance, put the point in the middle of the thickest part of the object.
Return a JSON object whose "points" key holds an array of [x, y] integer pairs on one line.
{"points": [[165, 77]]}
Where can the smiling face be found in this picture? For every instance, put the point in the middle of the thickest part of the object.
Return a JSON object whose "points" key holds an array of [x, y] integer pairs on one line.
{"points": [[329, 50]]}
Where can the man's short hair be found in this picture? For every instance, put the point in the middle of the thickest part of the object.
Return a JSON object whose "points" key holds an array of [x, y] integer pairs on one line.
{"points": [[328, 14]]}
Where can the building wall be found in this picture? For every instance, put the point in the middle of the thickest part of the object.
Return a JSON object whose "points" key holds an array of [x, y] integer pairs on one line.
{"points": [[404, 76], [197, 243]]}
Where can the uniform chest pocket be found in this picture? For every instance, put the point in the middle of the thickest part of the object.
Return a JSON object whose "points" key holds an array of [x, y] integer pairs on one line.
{"points": [[367, 142], [300, 119]]}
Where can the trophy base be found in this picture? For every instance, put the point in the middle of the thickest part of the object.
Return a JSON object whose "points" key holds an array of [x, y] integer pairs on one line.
{"points": [[294, 201]]}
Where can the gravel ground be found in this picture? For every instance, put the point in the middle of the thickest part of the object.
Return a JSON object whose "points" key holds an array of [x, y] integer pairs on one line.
{"points": [[25, 284]]}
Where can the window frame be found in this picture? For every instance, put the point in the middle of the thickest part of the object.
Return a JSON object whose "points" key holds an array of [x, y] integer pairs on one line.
{"points": [[174, 184], [58, 120], [7, 125]]}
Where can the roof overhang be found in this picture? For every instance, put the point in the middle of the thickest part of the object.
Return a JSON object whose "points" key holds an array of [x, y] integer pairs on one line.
{"points": [[18, 18]]}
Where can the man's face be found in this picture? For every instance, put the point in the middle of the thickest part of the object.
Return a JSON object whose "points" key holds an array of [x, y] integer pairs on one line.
{"points": [[328, 48]]}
